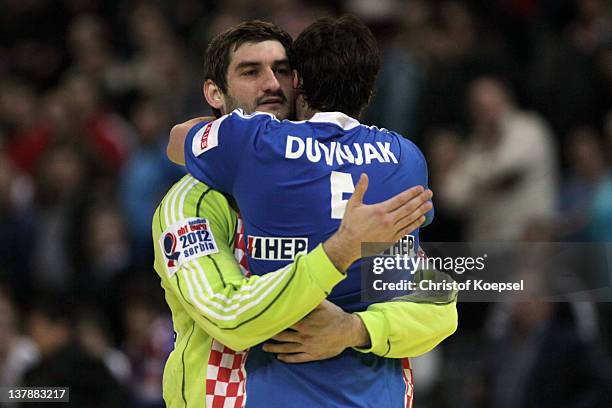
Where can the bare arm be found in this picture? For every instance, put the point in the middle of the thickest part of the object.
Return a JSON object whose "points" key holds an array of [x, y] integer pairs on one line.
{"points": [[328, 330], [176, 145]]}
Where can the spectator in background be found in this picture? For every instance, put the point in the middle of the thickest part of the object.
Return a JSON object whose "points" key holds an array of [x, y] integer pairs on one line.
{"points": [[209, 26], [163, 74], [107, 263], [88, 40], [106, 249], [61, 115], [592, 27], [506, 173], [586, 195], [147, 174], [32, 41], [27, 136], [94, 335], [103, 133], [89, 48], [147, 343], [567, 97], [537, 359], [159, 67], [64, 363], [294, 16], [443, 150], [56, 109], [61, 190], [401, 79], [16, 224], [148, 28], [71, 113], [459, 50], [57, 115], [17, 352]]}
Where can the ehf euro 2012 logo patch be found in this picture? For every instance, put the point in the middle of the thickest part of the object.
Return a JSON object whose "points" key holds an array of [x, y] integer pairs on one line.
{"points": [[185, 240]]}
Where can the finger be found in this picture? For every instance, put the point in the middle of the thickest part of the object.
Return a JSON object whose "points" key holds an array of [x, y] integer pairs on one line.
{"points": [[299, 326], [412, 221], [411, 206], [402, 198], [407, 229], [287, 336], [402, 232], [360, 190], [411, 212], [283, 347], [414, 202], [295, 358]]}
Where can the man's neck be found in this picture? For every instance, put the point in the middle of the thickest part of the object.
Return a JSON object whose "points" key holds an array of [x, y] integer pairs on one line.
{"points": [[303, 111]]}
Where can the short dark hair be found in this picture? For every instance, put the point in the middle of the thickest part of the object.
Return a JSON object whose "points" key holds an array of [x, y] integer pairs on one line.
{"points": [[218, 53], [338, 60]]}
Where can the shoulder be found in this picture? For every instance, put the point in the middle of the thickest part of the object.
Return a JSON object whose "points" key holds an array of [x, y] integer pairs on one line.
{"points": [[241, 124], [409, 151], [238, 117], [181, 130], [255, 116], [190, 197]]}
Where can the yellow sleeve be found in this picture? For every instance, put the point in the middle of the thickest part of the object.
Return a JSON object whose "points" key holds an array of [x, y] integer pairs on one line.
{"points": [[411, 325], [209, 286]]}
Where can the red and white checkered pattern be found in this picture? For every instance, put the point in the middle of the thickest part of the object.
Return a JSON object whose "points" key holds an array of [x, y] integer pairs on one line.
{"points": [[226, 374], [240, 248], [225, 377], [408, 380]]}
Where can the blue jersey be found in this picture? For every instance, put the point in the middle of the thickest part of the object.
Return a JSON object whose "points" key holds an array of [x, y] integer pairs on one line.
{"points": [[292, 181]]}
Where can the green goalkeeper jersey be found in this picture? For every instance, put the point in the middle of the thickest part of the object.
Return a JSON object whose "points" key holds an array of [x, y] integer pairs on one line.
{"points": [[218, 312], [210, 298]]}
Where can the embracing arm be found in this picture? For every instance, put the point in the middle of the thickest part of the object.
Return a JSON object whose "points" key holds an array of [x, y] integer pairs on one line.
{"points": [[176, 144], [240, 312], [403, 327], [409, 326]]}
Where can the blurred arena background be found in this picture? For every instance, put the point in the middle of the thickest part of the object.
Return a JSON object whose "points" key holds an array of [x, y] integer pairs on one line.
{"points": [[90, 88]]}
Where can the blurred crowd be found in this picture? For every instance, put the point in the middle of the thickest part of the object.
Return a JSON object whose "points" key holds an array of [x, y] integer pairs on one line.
{"points": [[511, 101]]}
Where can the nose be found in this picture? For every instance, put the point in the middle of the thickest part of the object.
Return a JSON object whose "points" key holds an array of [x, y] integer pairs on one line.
{"points": [[270, 81]]}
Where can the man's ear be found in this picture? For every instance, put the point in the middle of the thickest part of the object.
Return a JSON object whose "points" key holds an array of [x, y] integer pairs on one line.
{"points": [[297, 81], [213, 94]]}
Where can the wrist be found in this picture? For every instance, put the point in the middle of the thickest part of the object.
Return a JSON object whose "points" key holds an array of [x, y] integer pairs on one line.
{"points": [[337, 248], [360, 338]]}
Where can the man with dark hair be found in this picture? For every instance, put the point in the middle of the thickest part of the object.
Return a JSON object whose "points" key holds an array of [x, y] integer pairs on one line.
{"points": [[338, 62], [217, 311], [290, 181], [234, 58]]}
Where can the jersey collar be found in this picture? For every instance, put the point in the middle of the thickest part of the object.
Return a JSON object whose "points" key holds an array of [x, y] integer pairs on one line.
{"points": [[337, 118]]}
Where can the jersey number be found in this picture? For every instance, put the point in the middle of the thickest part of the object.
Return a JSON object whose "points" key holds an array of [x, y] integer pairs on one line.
{"points": [[341, 183]]}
